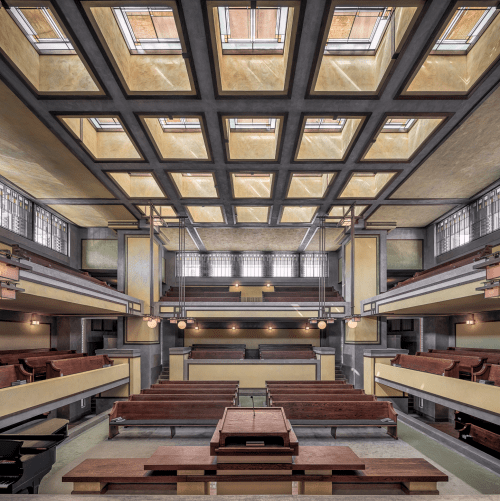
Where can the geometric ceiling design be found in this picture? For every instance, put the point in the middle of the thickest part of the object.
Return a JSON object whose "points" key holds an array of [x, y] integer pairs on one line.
{"points": [[244, 141]]}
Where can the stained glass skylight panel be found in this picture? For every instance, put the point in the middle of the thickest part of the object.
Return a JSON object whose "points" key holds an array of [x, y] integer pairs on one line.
{"points": [[357, 28], [149, 29], [246, 29], [180, 124], [267, 124], [106, 124], [324, 124], [465, 28], [42, 29], [398, 124]]}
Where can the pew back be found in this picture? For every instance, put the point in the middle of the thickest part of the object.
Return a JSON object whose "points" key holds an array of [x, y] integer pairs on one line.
{"points": [[489, 372], [198, 383], [315, 391], [292, 354], [167, 397], [67, 366], [439, 366], [38, 365], [466, 363], [217, 354], [11, 373], [145, 411], [186, 391], [14, 358], [278, 399]]}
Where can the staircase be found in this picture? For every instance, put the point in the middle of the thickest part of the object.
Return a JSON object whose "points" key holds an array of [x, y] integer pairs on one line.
{"points": [[339, 375], [165, 374]]}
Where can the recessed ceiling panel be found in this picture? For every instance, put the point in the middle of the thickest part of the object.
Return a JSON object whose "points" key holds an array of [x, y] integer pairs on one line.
{"points": [[466, 47], [172, 237], [409, 216], [178, 138], [104, 138], [253, 47], [252, 184], [326, 139], [195, 184], [246, 214], [366, 184], [252, 239], [309, 185], [35, 41], [145, 45], [401, 138], [333, 237], [93, 215], [138, 184], [341, 210], [32, 158], [465, 163], [206, 213], [254, 139], [294, 214], [358, 46], [163, 210]]}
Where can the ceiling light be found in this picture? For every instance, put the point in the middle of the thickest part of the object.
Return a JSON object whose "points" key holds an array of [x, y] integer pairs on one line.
{"points": [[353, 322], [152, 322], [182, 324], [322, 324]]}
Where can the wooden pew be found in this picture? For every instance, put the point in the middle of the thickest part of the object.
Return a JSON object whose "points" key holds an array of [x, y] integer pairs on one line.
{"points": [[275, 347], [342, 414], [201, 387], [287, 393], [11, 373], [158, 390], [14, 358], [295, 383], [167, 397], [276, 400], [182, 413], [38, 365], [67, 366], [471, 432], [168, 299], [284, 355], [448, 266], [25, 350], [197, 383], [217, 354], [490, 357], [466, 363], [440, 366], [490, 373], [485, 350]]}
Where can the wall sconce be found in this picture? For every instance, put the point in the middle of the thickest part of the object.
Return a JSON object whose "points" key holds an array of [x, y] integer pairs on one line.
{"points": [[307, 327], [34, 321], [268, 285], [234, 328], [270, 328], [470, 320]]}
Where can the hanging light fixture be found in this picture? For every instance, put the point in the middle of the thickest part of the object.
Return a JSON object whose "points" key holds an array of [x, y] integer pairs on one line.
{"points": [[470, 319], [322, 324], [353, 322]]}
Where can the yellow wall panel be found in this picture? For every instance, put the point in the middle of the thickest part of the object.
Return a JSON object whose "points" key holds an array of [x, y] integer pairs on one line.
{"points": [[18, 335]]}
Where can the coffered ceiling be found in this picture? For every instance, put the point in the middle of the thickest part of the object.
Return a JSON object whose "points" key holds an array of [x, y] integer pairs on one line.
{"points": [[250, 156]]}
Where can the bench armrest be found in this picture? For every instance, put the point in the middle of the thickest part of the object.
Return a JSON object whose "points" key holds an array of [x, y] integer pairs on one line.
{"points": [[483, 373]]}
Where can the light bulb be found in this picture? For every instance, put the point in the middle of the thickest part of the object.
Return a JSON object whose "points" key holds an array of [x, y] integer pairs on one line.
{"points": [[181, 324], [322, 324], [270, 328], [35, 322], [234, 328], [352, 323], [152, 323], [307, 328], [197, 328]]}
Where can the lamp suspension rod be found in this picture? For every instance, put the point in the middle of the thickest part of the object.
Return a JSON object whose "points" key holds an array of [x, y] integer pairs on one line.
{"points": [[151, 257], [353, 239]]}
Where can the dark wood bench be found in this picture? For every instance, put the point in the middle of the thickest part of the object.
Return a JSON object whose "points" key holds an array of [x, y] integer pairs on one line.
{"points": [[12, 373], [466, 363], [342, 414], [485, 350], [312, 382], [67, 366], [218, 346], [277, 399], [203, 299], [166, 397], [191, 413], [38, 365], [303, 390], [217, 354], [473, 433], [15, 358], [439, 366], [275, 347], [186, 391], [25, 350], [196, 383], [490, 373], [490, 357], [287, 355], [201, 387], [448, 266]]}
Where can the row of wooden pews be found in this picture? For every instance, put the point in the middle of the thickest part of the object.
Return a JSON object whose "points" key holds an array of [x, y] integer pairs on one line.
{"points": [[216, 351], [203, 294], [175, 403], [300, 294], [478, 433], [286, 351], [438, 366], [330, 403], [50, 366]]}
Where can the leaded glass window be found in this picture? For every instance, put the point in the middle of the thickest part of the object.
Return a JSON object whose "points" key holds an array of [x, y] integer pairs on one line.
{"points": [[16, 212], [313, 265]]}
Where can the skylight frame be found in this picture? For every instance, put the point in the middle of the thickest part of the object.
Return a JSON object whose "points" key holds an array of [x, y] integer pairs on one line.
{"points": [[390, 127], [324, 127], [252, 45], [298, 174], [53, 46], [272, 175], [267, 220], [183, 125], [362, 45], [115, 126], [442, 46], [234, 126], [146, 45]]}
